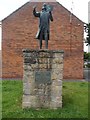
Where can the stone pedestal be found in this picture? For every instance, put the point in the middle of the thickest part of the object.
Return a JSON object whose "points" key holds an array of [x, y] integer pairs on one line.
{"points": [[42, 78]]}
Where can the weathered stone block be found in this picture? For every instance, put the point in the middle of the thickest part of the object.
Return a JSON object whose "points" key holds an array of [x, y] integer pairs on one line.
{"points": [[42, 79]]}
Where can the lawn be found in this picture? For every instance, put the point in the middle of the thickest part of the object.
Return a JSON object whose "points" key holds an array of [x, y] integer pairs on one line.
{"points": [[75, 102]]}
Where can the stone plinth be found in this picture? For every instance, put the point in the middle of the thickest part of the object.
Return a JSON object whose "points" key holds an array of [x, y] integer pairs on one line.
{"points": [[42, 78]]}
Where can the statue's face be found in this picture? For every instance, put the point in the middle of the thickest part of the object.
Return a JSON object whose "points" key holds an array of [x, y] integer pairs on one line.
{"points": [[44, 7], [44, 4]]}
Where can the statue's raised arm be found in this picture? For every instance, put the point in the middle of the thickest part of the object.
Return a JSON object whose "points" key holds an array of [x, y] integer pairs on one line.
{"points": [[36, 14]]}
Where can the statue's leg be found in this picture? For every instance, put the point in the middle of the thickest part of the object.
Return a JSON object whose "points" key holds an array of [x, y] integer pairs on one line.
{"points": [[46, 40], [40, 41]]}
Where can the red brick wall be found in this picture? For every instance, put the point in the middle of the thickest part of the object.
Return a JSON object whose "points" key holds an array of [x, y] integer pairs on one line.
{"points": [[19, 30]]}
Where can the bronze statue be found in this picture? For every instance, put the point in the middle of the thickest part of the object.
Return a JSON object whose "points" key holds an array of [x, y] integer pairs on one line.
{"points": [[44, 22]]}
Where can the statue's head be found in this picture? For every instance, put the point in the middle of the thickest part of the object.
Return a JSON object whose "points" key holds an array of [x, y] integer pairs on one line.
{"points": [[44, 6]]}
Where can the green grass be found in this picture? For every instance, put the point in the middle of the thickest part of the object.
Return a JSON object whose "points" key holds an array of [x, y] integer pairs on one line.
{"points": [[75, 102]]}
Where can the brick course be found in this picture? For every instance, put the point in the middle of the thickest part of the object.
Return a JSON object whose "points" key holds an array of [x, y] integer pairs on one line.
{"points": [[19, 30]]}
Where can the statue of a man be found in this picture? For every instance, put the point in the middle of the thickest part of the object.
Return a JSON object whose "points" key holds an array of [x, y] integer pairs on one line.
{"points": [[44, 23]]}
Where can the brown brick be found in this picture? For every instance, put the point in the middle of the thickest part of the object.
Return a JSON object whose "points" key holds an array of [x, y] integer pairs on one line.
{"points": [[19, 30]]}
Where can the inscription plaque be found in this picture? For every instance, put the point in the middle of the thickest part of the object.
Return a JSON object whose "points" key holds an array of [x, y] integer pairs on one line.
{"points": [[43, 77]]}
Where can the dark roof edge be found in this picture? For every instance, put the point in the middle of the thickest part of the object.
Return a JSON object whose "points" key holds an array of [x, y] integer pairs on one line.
{"points": [[14, 11], [29, 2], [72, 13]]}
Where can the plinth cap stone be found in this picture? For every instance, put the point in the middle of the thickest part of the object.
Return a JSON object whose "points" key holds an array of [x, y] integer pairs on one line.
{"points": [[42, 50]]}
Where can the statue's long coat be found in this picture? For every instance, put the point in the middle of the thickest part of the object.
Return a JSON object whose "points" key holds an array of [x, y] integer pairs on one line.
{"points": [[44, 23]]}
